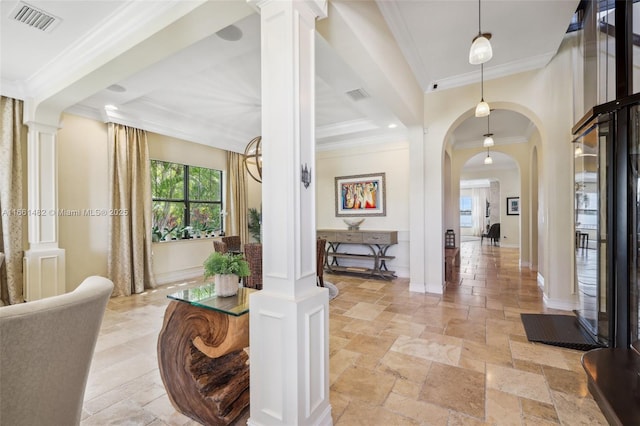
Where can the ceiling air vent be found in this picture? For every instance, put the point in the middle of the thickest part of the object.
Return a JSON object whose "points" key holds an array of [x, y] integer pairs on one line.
{"points": [[34, 17], [357, 94]]}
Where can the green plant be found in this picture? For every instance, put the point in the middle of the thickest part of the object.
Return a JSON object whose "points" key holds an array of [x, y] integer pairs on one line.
{"points": [[255, 222], [226, 263]]}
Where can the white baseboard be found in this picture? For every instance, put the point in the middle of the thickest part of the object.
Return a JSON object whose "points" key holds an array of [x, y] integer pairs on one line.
{"points": [[417, 287], [540, 281], [561, 304], [525, 264], [181, 275]]}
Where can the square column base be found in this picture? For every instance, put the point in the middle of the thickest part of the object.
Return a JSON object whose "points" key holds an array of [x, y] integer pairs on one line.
{"points": [[289, 358], [44, 273]]}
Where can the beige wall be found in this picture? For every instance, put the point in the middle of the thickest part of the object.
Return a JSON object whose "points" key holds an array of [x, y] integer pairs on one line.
{"points": [[83, 184], [393, 160]]}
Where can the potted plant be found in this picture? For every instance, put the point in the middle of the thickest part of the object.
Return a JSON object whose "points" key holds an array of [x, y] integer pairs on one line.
{"points": [[255, 223], [226, 268]]}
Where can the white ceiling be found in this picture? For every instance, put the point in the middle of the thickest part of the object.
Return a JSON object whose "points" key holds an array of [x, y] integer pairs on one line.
{"points": [[209, 92]]}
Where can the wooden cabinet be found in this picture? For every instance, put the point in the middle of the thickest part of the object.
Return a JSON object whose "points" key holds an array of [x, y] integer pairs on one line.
{"points": [[340, 250]]}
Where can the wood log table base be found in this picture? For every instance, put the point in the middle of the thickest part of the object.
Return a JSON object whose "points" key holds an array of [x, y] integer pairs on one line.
{"points": [[202, 362]]}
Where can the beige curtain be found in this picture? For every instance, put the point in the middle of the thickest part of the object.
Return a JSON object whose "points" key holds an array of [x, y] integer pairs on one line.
{"points": [[129, 263], [236, 204], [11, 129]]}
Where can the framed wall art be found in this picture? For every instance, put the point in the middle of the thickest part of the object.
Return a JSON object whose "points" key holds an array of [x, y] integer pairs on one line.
{"points": [[361, 195], [513, 205]]}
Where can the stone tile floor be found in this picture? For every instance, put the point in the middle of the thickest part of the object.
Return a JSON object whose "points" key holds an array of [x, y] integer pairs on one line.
{"points": [[396, 357]]}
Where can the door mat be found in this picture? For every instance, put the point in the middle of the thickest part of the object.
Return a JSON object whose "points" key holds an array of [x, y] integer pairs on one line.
{"points": [[558, 330]]}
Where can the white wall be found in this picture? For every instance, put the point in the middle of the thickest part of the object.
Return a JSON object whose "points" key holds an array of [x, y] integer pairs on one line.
{"points": [[393, 160]]}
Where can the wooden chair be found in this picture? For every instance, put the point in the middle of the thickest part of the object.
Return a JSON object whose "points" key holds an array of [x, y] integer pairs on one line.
{"points": [[253, 255], [219, 246], [320, 253], [232, 242]]}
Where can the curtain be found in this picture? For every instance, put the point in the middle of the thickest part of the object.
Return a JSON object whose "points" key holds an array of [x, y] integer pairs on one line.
{"points": [[129, 260], [479, 197], [11, 128], [236, 204]]}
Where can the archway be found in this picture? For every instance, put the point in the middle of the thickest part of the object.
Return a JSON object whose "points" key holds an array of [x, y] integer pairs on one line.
{"points": [[515, 138]]}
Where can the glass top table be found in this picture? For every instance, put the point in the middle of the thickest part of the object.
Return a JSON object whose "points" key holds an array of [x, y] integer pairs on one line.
{"points": [[205, 297]]}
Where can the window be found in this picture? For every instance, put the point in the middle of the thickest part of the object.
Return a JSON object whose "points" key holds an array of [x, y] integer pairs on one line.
{"points": [[466, 219], [187, 200]]}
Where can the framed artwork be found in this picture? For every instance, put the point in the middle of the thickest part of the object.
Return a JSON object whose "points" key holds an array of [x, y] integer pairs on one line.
{"points": [[513, 205], [361, 195]]}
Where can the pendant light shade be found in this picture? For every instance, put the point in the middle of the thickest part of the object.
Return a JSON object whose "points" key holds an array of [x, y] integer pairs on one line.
{"points": [[481, 50], [482, 109], [488, 140], [488, 160]]}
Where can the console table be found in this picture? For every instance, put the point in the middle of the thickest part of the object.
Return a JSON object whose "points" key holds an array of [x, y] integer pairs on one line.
{"points": [[201, 355], [378, 242]]}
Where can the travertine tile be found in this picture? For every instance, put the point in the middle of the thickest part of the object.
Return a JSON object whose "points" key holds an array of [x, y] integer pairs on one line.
{"points": [[456, 388], [364, 385], [517, 382], [396, 357]]}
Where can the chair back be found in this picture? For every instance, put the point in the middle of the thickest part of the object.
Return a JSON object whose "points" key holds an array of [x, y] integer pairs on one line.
{"points": [[219, 246], [232, 242], [45, 355], [320, 254], [253, 255]]}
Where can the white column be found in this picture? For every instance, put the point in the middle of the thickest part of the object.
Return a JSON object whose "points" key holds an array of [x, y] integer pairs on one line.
{"points": [[289, 331], [44, 261], [417, 210]]}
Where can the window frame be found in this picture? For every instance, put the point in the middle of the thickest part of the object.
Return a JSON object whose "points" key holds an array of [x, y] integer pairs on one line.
{"points": [[187, 200]]}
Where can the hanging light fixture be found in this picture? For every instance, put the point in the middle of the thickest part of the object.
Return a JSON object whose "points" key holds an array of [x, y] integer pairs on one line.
{"points": [[488, 137], [482, 109], [481, 50], [253, 158], [488, 159]]}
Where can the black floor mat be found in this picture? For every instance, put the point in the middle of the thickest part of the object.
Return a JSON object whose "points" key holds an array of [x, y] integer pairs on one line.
{"points": [[557, 330]]}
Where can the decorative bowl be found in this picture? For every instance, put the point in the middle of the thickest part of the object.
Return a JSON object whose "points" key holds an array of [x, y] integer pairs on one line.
{"points": [[353, 224]]}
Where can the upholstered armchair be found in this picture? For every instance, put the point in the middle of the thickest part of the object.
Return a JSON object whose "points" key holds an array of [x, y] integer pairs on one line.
{"points": [[45, 354]]}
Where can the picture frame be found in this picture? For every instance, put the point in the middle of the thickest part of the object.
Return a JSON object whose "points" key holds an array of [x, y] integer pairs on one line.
{"points": [[513, 206], [360, 195]]}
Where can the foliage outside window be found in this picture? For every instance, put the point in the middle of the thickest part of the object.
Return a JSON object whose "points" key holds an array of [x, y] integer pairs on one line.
{"points": [[466, 218], [187, 201]]}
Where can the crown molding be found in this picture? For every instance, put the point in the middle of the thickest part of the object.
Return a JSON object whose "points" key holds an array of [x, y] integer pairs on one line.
{"points": [[492, 73], [128, 25], [12, 89]]}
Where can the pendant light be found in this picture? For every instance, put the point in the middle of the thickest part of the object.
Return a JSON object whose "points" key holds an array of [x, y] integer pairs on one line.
{"points": [[481, 50], [488, 137], [488, 160], [482, 109]]}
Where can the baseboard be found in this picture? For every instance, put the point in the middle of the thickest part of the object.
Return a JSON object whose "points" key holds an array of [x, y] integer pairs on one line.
{"points": [[181, 275], [540, 281], [525, 265], [561, 304], [417, 287]]}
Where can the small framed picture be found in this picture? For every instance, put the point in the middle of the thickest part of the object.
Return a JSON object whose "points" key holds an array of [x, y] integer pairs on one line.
{"points": [[513, 205]]}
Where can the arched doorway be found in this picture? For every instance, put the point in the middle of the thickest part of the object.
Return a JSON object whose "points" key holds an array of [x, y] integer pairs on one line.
{"points": [[515, 137]]}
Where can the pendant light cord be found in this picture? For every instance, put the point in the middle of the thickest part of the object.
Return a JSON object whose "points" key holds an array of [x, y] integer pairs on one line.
{"points": [[482, 82], [479, 25]]}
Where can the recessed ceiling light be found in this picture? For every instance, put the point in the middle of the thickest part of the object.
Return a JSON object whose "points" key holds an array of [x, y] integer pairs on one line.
{"points": [[116, 88], [110, 107], [230, 33], [392, 126]]}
